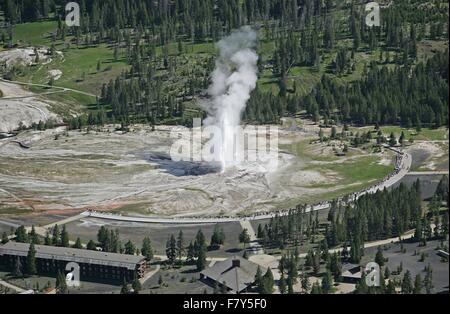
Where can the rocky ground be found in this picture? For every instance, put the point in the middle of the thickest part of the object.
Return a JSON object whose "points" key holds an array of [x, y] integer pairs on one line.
{"points": [[133, 173], [429, 156], [26, 56], [19, 107]]}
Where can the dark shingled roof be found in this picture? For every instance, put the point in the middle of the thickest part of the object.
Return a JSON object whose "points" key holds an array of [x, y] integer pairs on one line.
{"points": [[237, 278], [351, 271], [73, 255]]}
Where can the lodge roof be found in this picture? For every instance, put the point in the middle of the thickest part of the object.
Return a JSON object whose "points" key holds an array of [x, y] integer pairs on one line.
{"points": [[237, 273], [73, 255]]}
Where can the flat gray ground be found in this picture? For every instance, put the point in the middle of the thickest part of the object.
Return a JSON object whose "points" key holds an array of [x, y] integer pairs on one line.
{"points": [[177, 281], [87, 229], [411, 262], [4, 228], [37, 220], [428, 156], [428, 183]]}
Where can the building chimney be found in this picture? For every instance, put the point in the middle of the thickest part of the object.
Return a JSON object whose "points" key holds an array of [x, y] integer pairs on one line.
{"points": [[236, 263]]}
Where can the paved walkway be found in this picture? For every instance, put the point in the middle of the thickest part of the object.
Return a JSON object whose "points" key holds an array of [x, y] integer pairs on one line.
{"points": [[10, 224], [64, 221], [42, 230], [163, 258], [150, 274], [255, 247]]}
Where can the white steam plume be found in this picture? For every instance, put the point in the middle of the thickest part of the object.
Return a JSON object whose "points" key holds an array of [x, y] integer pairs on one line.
{"points": [[233, 80]]}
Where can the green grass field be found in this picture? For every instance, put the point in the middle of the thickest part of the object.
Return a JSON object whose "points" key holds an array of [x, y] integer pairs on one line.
{"points": [[425, 134], [357, 170], [356, 175], [38, 33], [79, 69]]}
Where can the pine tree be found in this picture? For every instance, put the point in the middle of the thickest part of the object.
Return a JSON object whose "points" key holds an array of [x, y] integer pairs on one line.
{"points": [[130, 248], [21, 235], [201, 260], [390, 289], [268, 282], [428, 280], [387, 272], [171, 249], [147, 249], [91, 246], [361, 286], [31, 268], [190, 253], [64, 237], [392, 140], [18, 268], [180, 245], [244, 237], [136, 285], [218, 236], [417, 285], [407, 287], [327, 283], [55, 236], [316, 289], [47, 240], [116, 53], [78, 244], [61, 284], [33, 237], [259, 280], [125, 289], [282, 284], [5, 238], [379, 258]]}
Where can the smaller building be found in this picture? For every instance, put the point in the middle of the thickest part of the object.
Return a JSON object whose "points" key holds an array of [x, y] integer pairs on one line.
{"points": [[236, 273], [351, 273]]}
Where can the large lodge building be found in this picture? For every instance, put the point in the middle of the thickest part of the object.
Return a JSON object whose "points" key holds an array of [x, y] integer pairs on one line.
{"points": [[93, 264]]}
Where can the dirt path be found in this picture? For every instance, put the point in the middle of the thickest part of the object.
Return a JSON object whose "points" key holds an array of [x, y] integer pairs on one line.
{"points": [[61, 89], [255, 247], [150, 274]]}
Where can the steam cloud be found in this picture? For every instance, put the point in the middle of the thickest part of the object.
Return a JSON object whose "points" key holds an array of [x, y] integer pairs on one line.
{"points": [[233, 79]]}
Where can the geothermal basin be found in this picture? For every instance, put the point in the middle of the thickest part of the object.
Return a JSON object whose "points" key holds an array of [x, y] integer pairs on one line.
{"points": [[133, 173]]}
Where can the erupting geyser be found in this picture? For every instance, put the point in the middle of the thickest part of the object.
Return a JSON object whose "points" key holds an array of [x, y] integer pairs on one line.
{"points": [[233, 80]]}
